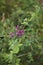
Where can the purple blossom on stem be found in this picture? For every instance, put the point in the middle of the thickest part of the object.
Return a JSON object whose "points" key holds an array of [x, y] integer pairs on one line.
{"points": [[11, 34], [17, 27], [19, 32]]}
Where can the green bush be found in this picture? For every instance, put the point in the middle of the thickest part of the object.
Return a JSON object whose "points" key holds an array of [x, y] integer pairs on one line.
{"points": [[21, 33]]}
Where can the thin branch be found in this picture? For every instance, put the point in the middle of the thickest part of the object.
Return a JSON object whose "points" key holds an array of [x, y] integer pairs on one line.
{"points": [[23, 54]]}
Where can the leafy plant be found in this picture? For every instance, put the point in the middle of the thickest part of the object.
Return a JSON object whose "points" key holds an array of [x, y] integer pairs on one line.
{"points": [[21, 32]]}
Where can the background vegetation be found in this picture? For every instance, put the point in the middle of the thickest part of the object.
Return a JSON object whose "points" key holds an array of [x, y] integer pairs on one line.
{"points": [[21, 32]]}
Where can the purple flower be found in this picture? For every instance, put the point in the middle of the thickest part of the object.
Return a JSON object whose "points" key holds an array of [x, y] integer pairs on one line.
{"points": [[17, 27], [11, 34], [19, 32]]}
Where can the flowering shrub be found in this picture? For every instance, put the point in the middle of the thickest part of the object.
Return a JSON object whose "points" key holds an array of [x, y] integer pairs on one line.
{"points": [[21, 33]]}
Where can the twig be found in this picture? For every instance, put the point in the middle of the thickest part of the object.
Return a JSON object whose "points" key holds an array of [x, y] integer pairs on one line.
{"points": [[22, 55]]}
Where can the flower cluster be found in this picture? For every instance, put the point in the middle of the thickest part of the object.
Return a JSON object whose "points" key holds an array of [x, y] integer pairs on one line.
{"points": [[11, 34], [18, 32]]}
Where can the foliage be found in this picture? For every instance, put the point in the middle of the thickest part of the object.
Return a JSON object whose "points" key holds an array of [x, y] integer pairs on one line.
{"points": [[21, 32]]}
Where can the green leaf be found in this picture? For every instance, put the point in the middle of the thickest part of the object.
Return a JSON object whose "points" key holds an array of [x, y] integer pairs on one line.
{"points": [[16, 49], [25, 23]]}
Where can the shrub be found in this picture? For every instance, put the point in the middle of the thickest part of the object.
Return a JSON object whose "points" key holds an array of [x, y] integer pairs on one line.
{"points": [[21, 34]]}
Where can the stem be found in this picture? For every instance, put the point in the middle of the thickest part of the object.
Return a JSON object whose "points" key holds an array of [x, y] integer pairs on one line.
{"points": [[22, 55]]}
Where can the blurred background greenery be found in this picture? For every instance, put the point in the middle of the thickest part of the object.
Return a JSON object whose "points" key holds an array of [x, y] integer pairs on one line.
{"points": [[26, 49]]}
